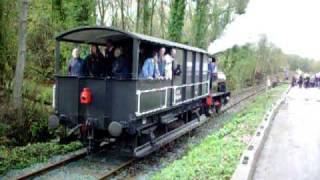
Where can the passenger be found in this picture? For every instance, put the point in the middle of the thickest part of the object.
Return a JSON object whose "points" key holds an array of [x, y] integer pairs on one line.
{"points": [[76, 65], [169, 58], [161, 61], [212, 70], [94, 62], [109, 56], [120, 65], [150, 68]]}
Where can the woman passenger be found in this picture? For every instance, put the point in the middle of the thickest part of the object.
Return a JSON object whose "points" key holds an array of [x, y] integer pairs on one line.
{"points": [[76, 65], [95, 62]]}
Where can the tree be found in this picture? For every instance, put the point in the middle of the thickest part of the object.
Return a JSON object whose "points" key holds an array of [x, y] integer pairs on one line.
{"points": [[102, 10], [123, 26], [200, 23], [18, 78], [146, 17], [138, 15], [176, 21]]}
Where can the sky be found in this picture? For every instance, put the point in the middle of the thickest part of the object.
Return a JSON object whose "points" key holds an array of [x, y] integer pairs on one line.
{"points": [[292, 25]]}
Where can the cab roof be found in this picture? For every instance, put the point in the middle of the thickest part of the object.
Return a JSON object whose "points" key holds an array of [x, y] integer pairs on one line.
{"points": [[99, 35]]}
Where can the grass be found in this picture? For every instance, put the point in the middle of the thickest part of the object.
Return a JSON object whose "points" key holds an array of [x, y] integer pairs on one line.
{"points": [[24, 156], [217, 156]]}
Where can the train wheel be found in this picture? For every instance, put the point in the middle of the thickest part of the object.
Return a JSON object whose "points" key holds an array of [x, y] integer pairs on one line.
{"points": [[217, 106]]}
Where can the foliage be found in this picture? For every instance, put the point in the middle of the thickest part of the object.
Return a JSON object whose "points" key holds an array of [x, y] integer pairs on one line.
{"points": [[21, 157], [176, 19], [200, 23], [35, 115], [217, 155], [255, 62], [8, 39], [146, 16]]}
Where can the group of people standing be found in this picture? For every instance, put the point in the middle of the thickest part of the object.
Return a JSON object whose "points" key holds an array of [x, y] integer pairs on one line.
{"points": [[159, 65], [112, 63], [306, 81]]}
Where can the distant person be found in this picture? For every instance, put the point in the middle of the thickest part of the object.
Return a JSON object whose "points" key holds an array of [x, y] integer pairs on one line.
{"points": [[300, 81], [293, 81], [161, 61], [76, 66], [307, 82], [95, 62], [212, 70], [150, 68], [109, 56], [169, 59], [120, 65]]}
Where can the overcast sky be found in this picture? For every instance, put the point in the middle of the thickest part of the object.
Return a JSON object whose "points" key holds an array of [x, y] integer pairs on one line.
{"points": [[292, 25]]}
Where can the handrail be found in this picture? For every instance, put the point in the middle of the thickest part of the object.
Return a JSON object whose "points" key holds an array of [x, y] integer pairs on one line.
{"points": [[166, 89]]}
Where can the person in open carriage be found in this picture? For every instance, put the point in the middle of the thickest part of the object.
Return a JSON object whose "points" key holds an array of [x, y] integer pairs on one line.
{"points": [[150, 68], [76, 66], [120, 65], [95, 63]]}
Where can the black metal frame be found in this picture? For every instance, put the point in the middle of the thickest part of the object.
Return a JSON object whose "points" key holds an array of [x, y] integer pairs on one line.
{"points": [[116, 92]]}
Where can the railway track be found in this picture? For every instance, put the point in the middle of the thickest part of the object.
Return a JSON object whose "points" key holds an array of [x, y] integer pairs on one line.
{"points": [[108, 163]]}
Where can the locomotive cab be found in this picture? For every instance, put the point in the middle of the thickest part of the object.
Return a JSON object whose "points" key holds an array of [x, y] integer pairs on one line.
{"points": [[141, 114]]}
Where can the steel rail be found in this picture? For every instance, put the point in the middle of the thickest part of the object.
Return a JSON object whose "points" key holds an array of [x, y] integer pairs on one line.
{"points": [[113, 171], [82, 153]]}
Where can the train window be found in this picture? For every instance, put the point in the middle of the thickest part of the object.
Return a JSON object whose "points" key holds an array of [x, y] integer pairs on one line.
{"points": [[147, 51], [189, 67], [178, 66], [98, 62], [206, 60]]}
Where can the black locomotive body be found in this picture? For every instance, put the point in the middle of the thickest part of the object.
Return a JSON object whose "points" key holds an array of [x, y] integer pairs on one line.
{"points": [[141, 115]]}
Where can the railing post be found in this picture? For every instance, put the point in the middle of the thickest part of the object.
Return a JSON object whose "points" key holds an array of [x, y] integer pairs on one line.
{"points": [[174, 95], [138, 106], [166, 99]]}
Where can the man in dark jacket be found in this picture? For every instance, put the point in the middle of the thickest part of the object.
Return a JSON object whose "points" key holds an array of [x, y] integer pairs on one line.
{"points": [[109, 57], [94, 62], [120, 65]]}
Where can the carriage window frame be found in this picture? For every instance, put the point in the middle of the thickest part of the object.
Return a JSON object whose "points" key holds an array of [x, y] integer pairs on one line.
{"points": [[154, 47]]}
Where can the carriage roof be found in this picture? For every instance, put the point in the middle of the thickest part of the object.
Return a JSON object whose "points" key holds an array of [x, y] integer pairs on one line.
{"points": [[99, 35]]}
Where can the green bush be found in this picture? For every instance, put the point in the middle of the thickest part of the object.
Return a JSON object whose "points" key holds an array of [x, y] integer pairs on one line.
{"points": [[21, 157]]}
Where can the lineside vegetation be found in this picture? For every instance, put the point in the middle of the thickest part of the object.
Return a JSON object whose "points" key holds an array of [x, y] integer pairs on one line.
{"points": [[216, 157]]}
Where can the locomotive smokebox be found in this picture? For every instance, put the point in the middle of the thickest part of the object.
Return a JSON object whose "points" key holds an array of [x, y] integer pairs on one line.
{"points": [[115, 129]]}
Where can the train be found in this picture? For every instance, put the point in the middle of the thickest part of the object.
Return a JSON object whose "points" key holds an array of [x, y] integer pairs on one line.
{"points": [[139, 115]]}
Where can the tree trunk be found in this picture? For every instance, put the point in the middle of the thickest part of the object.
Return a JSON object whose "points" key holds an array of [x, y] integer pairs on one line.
{"points": [[122, 15], [154, 2], [176, 21], [146, 16], [102, 11], [18, 78], [138, 15]]}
